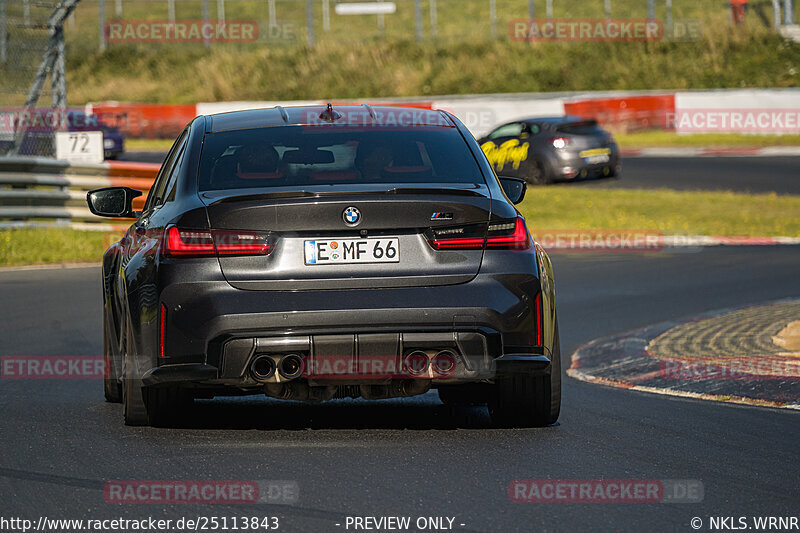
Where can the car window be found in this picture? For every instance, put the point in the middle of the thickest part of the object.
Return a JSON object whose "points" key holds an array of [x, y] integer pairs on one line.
{"points": [[172, 181], [509, 130], [587, 127], [296, 156], [157, 190]]}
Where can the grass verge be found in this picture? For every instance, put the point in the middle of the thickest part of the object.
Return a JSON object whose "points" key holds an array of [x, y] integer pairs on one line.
{"points": [[148, 145], [646, 139], [397, 67], [665, 211], [550, 208], [51, 246]]}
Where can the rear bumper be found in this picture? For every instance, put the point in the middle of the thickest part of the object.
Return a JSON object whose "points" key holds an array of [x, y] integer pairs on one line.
{"points": [[201, 374], [213, 331], [180, 374], [569, 165]]}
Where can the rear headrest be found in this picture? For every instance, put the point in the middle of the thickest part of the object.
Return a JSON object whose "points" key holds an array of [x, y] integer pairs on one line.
{"points": [[334, 175], [420, 172], [308, 157]]}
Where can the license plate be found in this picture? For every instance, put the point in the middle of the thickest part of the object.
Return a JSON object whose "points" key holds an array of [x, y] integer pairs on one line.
{"points": [[596, 155], [349, 251]]}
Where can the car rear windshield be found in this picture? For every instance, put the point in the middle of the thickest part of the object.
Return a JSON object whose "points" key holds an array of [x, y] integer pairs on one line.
{"points": [[284, 156], [580, 128]]}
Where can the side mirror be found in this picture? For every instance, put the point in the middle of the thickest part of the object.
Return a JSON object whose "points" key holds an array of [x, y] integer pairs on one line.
{"points": [[113, 202], [514, 188]]}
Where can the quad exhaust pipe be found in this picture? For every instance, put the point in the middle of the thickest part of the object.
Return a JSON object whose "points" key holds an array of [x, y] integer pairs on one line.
{"points": [[289, 367], [417, 363], [444, 363], [262, 368]]}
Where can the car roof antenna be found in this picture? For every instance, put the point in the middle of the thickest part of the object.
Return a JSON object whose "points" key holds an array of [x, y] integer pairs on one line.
{"points": [[329, 115]]}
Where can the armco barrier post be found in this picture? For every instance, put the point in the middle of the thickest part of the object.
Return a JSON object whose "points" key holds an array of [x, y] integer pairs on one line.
{"points": [[171, 10], [493, 17], [381, 23], [434, 18], [651, 9], [272, 14], [326, 15], [101, 16], [788, 12], [3, 35], [310, 22], [548, 6], [531, 9], [205, 20], [418, 20], [669, 17], [607, 9], [776, 13]]}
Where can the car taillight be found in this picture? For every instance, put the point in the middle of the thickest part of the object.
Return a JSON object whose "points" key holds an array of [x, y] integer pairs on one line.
{"points": [[181, 242], [162, 331], [560, 142], [539, 325], [508, 235], [461, 237]]}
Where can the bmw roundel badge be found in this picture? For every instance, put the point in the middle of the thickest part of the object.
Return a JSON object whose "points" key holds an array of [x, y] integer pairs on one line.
{"points": [[351, 216]]}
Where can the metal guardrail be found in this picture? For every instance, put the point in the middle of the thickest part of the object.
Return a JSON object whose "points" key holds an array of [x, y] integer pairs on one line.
{"points": [[41, 192]]}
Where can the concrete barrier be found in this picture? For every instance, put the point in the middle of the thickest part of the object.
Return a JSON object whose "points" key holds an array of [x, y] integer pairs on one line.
{"points": [[616, 110]]}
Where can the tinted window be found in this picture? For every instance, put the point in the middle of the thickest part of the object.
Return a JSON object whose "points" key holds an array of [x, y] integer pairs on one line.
{"points": [[580, 128], [172, 182], [157, 190], [296, 156], [509, 130]]}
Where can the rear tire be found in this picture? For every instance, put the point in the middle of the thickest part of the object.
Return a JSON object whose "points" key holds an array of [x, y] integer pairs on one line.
{"points": [[148, 406], [538, 173], [133, 406], [165, 405], [464, 395], [529, 401], [112, 388]]}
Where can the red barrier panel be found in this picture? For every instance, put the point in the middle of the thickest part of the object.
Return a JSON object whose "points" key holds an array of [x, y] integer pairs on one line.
{"points": [[416, 105], [631, 113], [164, 121], [131, 169], [150, 121], [139, 176]]}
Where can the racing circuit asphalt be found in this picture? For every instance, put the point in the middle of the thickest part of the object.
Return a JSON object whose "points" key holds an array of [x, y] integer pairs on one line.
{"points": [[740, 173], [61, 442]]}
